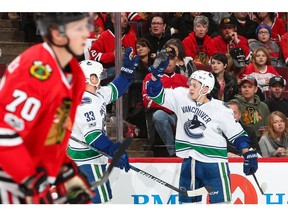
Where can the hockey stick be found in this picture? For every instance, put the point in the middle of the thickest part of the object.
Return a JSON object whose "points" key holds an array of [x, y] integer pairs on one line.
{"points": [[200, 191], [263, 187], [125, 145]]}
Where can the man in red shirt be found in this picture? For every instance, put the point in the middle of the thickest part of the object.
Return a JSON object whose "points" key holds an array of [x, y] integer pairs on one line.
{"points": [[229, 39], [103, 49], [39, 94]]}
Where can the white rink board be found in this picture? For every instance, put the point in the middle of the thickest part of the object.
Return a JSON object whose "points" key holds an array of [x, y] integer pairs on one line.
{"points": [[134, 188]]}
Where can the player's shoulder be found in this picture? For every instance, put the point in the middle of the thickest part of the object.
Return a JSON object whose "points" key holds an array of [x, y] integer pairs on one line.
{"points": [[219, 104]]}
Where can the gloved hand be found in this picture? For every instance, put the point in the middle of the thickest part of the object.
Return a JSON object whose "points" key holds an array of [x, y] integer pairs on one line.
{"points": [[129, 64], [123, 162], [73, 183], [160, 64], [37, 189], [250, 165]]}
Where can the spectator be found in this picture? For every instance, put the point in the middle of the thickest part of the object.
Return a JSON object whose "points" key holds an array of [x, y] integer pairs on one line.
{"points": [[184, 64], [103, 49], [198, 44], [229, 38], [226, 86], [260, 68], [236, 63], [276, 100], [245, 26], [158, 35], [136, 114], [263, 33], [284, 48], [274, 22], [254, 111], [160, 119], [232, 151], [186, 24], [274, 142]]}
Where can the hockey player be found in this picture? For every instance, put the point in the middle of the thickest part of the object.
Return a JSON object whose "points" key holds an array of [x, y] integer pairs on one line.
{"points": [[201, 121], [40, 92], [90, 125]]}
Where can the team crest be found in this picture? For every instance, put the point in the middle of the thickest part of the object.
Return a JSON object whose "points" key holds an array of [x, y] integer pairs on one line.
{"points": [[194, 128], [40, 71]]}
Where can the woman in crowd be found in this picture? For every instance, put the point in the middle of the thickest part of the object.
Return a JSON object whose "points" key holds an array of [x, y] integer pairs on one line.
{"points": [[274, 141], [226, 86]]}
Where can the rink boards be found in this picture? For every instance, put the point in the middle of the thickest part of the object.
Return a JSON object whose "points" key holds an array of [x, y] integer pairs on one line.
{"points": [[134, 188]]}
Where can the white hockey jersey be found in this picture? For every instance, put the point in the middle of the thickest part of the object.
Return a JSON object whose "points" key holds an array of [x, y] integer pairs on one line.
{"points": [[90, 122], [200, 128]]}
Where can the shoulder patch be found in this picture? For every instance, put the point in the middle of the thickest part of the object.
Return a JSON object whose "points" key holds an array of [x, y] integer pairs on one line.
{"points": [[86, 100], [40, 71]]}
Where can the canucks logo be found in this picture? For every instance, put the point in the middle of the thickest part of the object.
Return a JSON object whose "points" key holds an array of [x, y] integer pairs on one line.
{"points": [[194, 128], [86, 100], [40, 71]]}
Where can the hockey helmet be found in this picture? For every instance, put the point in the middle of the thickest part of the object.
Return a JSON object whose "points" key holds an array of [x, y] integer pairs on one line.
{"points": [[45, 21], [91, 67], [205, 78]]}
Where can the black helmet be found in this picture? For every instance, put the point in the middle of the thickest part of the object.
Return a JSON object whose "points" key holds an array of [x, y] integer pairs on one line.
{"points": [[58, 20]]}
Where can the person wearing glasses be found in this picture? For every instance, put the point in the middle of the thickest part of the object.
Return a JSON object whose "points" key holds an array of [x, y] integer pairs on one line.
{"points": [[264, 35], [158, 34]]}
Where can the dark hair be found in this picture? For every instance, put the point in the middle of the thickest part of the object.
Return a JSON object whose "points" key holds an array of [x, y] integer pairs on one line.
{"points": [[178, 43], [220, 57], [143, 42]]}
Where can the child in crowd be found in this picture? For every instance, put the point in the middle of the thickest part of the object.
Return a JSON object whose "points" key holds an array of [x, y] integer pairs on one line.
{"points": [[260, 68]]}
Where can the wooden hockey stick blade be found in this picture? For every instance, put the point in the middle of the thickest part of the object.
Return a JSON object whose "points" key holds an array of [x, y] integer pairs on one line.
{"points": [[200, 191]]}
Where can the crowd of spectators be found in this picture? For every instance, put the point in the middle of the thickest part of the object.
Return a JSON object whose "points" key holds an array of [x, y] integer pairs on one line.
{"points": [[242, 49]]}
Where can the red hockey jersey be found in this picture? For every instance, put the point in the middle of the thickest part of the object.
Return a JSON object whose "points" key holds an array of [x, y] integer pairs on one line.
{"points": [[37, 108]]}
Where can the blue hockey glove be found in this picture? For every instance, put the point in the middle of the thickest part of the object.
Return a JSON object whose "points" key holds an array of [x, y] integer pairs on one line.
{"points": [[250, 165], [160, 64], [129, 64], [123, 162]]}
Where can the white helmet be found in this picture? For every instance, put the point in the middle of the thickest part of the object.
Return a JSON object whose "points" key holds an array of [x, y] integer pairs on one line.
{"points": [[205, 78], [91, 67]]}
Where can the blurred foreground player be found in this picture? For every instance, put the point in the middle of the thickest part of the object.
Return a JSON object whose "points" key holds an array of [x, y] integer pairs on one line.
{"points": [[39, 94]]}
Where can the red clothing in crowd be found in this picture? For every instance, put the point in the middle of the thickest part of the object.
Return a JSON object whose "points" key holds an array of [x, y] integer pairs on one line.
{"points": [[173, 81], [192, 48], [102, 50], [222, 46], [284, 47]]}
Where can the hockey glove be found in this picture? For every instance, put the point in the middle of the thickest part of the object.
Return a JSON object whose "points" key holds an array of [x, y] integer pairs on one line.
{"points": [[129, 64], [37, 189], [250, 162], [123, 162], [73, 184], [160, 64]]}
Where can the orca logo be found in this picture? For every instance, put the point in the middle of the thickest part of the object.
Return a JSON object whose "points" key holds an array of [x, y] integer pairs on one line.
{"points": [[194, 128]]}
